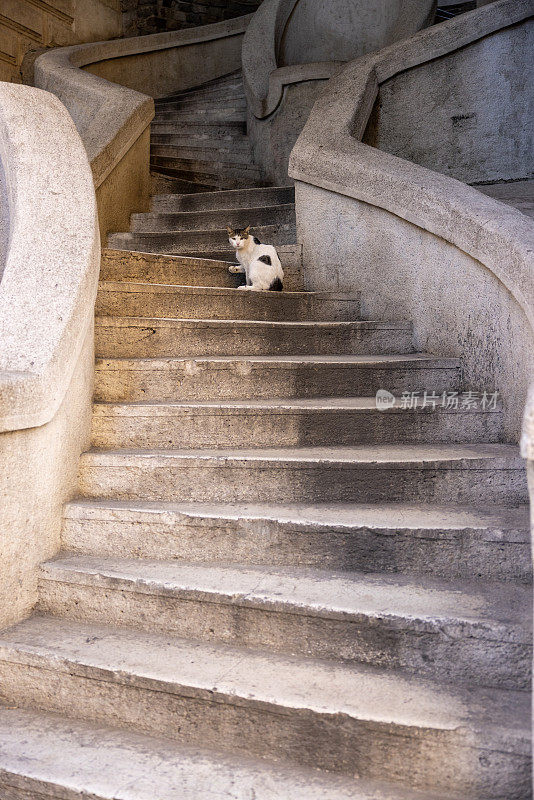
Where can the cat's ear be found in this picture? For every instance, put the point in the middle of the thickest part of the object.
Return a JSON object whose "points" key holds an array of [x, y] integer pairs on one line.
{"points": [[247, 229], [230, 231]]}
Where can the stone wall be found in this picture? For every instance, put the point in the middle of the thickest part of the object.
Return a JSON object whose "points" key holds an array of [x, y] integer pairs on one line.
{"points": [[35, 24], [152, 16], [477, 130]]}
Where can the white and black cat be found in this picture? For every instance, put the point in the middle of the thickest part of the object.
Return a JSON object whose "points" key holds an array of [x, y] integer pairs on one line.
{"points": [[259, 262]]}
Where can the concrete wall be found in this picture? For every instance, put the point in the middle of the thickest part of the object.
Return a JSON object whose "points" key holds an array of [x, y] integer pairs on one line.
{"points": [[47, 292], [340, 30], [34, 24], [477, 129], [405, 272]]}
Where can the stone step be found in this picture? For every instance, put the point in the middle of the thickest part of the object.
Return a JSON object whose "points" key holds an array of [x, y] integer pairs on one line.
{"points": [[164, 183], [220, 115], [231, 150], [236, 144], [462, 633], [149, 337], [289, 423], [202, 302], [231, 78], [186, 180], [232, 199], [227, 157], [474, 742], [215, 220], [452, 542], [199, 241], [48, 755], [458, 473], [267, 377], [229, 255], [211, 130], [176, 163], [214, 92], [234, 101], [131, 265]]}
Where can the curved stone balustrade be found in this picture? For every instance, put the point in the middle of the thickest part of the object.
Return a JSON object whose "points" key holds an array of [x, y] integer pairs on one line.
{"points": [[51, 258], [418, 243], [280, 95], [52, 255], [108, 88]]}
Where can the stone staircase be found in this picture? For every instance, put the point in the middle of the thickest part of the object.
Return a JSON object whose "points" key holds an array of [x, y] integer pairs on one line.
{"points": [[201, 157], [269, 588]]}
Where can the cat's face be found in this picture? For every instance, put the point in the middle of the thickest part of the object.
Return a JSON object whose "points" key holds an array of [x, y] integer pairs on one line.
{"points": [[238, 238]]}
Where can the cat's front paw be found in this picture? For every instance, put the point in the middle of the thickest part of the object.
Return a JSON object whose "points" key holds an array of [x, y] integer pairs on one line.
{"points": [[235, 269]]}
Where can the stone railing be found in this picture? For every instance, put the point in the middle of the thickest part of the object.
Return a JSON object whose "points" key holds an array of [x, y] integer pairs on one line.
{"points": [[50, 252], [108, 88], [419, 244], [279, 95]]}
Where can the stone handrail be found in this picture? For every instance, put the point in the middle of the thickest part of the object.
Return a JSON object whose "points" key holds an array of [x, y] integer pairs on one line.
{"points": [[330, 155], [110, 116], [51, 255], [265, 81]]}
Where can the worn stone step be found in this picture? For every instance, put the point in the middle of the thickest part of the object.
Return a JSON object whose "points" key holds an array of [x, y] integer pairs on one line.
{"points": [[474, 634], [214, 94], [202, 302], [141, 337], [194, 180], [215, 91], [216, 220], [232, 199], [474, 742], [229, 176], [229, 255], [232, 78], [221, 115], [132, 265], [289, 423], [163, 183], [169, 154], [212, 130], [199, 144], [233, 102], [248, 377], [52, 756], [181, 163], [361, 474], [453, 542], [199, 241]]}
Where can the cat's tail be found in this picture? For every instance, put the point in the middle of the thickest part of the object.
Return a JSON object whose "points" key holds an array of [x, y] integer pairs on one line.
{"points": [[276, 285]]}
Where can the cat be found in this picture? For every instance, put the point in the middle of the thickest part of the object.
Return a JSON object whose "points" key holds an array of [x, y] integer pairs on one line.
{"points": [[259, 262]]}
